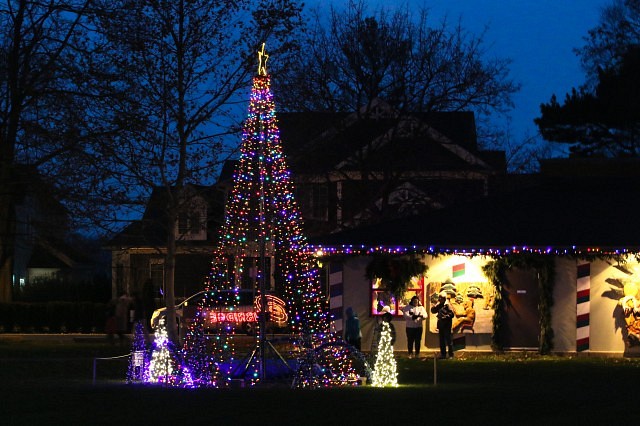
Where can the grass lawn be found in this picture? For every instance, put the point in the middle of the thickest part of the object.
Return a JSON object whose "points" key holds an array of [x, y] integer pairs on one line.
{"points": [[50, 383]]}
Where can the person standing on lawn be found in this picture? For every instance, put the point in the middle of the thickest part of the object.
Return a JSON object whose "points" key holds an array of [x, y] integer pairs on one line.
{"points": [[414, 314], [445, 315], [352, 333], [122, 316]]}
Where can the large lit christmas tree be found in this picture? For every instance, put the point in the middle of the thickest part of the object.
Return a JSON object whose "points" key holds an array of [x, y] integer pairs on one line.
{"points": [[263, 227], [263, 219]]}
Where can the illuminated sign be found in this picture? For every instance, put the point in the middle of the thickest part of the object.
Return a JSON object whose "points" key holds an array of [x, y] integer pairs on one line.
{"points": [[275, 307], [233, 317]]}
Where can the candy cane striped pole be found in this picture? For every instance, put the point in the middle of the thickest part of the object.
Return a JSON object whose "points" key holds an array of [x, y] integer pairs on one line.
{"points": [[335, 293], [583, 290]]}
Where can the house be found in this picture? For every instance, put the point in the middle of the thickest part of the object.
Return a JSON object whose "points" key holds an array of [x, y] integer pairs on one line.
{"points": [[348, 170], [581, 224], [353, 169], [369, 166], [138, 251]]}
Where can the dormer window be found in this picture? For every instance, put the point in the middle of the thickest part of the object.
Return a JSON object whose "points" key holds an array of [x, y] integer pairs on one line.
{"points": [[192, 224], [314, 201]]}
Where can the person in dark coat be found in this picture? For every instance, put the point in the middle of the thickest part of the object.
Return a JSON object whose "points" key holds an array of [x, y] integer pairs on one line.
{"points": [[445, 315], [352, 333], [122, 316]]}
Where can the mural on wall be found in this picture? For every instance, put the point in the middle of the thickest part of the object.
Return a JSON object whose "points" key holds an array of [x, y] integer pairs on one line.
{"points": [[626, 288], [472, 300]]}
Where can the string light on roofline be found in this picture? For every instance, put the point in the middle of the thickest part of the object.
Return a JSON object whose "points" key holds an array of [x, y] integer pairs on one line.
{"points": [[365, 250]]}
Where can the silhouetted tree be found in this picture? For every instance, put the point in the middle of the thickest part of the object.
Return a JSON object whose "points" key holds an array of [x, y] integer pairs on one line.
{"points": [[48, 110], [602, 118], [608, 42], [352, 61], [184, 64], [350, 58]]}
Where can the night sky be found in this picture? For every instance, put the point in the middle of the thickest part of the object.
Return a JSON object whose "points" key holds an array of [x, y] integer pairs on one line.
{"points": [[537, 35]]}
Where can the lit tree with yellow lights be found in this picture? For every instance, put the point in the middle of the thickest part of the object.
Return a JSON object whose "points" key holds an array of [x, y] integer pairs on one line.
{"points": [[385, 369], [165, 366]]}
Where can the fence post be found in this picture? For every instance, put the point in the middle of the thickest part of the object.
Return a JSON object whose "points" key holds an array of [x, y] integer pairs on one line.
{"points": [[435, 369]]}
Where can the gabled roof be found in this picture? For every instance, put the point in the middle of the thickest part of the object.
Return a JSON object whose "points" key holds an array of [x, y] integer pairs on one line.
{"points": [[321, 142], [558, 214], [316, 143]]}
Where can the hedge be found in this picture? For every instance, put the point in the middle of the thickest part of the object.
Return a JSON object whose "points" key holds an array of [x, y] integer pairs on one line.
{"points": [[52, 317]]}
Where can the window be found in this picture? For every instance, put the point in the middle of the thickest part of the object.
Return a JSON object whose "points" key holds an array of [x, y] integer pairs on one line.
{"points": [[183, 224], [156, 273], [191, 225], [381, 297], [314, 200], [196, 223]]}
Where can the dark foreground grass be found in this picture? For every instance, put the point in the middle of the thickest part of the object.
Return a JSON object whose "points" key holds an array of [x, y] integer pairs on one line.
{"points": [[52, 383]]}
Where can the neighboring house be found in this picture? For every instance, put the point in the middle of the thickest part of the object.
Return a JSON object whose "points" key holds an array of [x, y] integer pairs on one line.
{"points": [[41, 229], [58, 261], [356, 169], [138, 251], [581, 216]]}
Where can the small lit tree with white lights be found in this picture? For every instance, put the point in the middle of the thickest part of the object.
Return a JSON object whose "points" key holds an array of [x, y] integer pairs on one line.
{"points": [[385, 370], [165, 366]]}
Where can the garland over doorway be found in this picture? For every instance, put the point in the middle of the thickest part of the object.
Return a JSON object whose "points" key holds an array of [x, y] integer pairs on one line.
{"points": [[545, 270]]}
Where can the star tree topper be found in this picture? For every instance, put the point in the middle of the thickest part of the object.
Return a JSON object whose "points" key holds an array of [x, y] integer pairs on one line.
{"points": [[262, 61]]}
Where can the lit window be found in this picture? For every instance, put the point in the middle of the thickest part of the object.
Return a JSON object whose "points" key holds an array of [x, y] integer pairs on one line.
{"points": [[382, 297]]}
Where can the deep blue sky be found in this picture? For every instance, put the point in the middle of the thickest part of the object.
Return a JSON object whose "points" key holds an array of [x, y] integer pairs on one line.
{"points": [[537, 35]]}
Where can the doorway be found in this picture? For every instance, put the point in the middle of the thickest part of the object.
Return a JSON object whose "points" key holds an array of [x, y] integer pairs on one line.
{"points": [[521, 327]]}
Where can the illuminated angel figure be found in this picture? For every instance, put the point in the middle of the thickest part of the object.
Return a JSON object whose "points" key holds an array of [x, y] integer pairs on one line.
{"points": [[631, 308], [627, 291]]}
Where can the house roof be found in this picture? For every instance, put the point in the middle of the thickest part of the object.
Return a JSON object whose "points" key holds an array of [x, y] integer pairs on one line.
{"points": [[316, 143], [558, 214], [445, 141], [151, 230]]}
